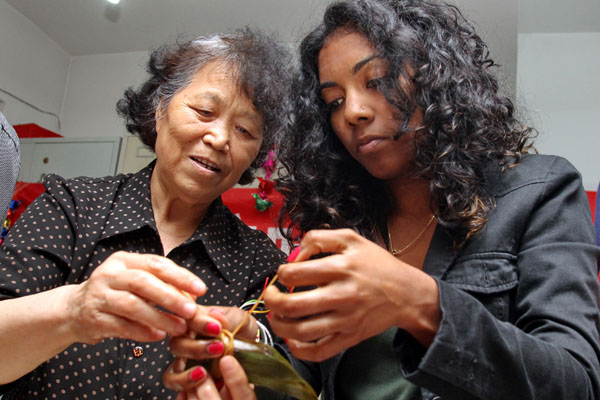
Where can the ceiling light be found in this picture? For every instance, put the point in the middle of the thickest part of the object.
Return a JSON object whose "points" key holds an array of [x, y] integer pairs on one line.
{"points": [[113, 1]]}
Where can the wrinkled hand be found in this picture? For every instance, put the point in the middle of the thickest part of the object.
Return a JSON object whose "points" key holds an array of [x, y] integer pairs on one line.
{"points": [[121, 296], [208, 323], [362, 290]]}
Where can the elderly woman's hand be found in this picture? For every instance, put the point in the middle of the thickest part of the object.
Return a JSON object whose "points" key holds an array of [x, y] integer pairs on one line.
{"points": [[233, 386], [206, 346], [122, 296], [362, 290]]}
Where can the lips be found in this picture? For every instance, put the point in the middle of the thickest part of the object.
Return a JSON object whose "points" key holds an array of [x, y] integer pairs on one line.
{"points": [[205, 163], [369, 142]]}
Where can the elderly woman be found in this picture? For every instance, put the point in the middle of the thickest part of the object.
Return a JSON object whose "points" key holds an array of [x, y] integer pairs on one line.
{"points": [[98, 271], [469, 269]]}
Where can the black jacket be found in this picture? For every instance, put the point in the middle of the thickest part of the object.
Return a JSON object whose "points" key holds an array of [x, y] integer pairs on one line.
{"points": [[519, 301]]}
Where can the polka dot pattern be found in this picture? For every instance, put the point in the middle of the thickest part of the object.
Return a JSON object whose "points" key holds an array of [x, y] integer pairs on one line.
{"points": [[71, 229]]}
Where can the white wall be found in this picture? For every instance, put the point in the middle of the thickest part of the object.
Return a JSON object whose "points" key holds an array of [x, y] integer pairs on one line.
{"points": [[558, 82], [33, 68], [497, 24], [96, 83]]}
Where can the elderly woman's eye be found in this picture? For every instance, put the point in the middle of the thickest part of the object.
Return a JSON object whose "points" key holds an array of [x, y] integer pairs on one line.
{"points": [[244, 131], [204, 112]]}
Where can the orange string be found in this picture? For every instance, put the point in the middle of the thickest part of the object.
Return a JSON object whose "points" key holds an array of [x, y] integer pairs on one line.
{"points": [[250, 311]]}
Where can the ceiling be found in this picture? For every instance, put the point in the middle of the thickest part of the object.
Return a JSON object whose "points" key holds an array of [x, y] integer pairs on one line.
{"points": [[83, 27]]}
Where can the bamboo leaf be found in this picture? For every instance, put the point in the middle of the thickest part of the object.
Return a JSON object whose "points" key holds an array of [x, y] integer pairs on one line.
{"points": [[264, 366]]}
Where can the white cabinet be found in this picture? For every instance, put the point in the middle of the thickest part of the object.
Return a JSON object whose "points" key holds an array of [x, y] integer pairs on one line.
{"points": [[134, 155], [68, 157]]}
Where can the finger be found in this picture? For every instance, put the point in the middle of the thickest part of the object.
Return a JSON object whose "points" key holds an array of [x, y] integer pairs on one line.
{"points": [[108, 325], [167, 271], [320, 350], [196, 349], [154, 290], [207, 390], [228, 317], [317, 272], [184, 380], [301, 305], [326, 241], [235, 379], [308, 330], [128, 305]]}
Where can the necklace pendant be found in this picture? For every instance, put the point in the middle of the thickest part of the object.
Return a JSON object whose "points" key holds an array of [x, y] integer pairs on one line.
{"points": [[395, 252]]}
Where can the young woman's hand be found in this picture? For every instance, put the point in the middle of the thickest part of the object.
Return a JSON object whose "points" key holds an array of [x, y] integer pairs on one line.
{"points": [[361, 290]]}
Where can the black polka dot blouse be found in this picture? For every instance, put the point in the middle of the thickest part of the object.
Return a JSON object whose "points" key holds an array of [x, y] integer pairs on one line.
{"points": [[71, 229]]}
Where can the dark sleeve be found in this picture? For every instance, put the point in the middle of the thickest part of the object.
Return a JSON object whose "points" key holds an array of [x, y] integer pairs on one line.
{"points": [[38, 249], [551, 350]]}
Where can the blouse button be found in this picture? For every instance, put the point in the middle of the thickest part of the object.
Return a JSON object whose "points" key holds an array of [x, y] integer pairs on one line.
{"points": [[138, 351]]}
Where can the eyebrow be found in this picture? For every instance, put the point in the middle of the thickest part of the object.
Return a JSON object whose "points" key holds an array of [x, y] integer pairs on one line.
{"points": [[254, 115], [357, 67]]}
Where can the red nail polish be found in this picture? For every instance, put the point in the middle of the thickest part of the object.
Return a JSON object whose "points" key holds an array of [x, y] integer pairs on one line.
{"points": [[215, 348], [197, 374], [294, 254], [269, 316], [212, 328], [219, 384]]}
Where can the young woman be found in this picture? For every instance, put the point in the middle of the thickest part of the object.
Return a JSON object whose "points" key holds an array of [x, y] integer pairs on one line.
{"points": [[452, 263]]}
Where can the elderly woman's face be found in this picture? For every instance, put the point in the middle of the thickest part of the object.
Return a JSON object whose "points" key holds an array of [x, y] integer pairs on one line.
{"points": [[208, 136], [360, 115]]}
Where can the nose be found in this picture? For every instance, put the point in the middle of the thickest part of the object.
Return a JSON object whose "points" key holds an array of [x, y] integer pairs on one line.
{"points": [[357, 110], [217, 136]]}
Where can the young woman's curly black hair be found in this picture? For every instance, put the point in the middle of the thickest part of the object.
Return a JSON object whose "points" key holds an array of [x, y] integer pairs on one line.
{"points": [[259, 62], [467, 122]]}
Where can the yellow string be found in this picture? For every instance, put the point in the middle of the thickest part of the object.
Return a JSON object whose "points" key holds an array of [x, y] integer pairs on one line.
{"points": [[251, 311]]}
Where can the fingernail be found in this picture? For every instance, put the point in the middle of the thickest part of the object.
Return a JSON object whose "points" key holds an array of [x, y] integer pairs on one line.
{"points": [[219, 384], [197, 374], [215, 348], [198, 287], [212, 328], [294, 254], [269, 316], [189, 309]]}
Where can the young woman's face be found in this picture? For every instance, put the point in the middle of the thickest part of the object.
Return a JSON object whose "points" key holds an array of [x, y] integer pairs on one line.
{"points": [[208, 136], [361, 117]]}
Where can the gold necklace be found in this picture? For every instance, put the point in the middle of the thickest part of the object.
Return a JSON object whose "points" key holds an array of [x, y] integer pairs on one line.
{"points": [[408, 246]]}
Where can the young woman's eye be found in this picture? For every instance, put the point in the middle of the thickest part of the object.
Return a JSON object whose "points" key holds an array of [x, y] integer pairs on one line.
{"points": [[374, 83], [333, 105]]}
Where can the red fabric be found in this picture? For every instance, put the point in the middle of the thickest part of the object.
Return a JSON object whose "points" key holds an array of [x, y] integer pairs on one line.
{"points": [[26, 193], [592, 197], [33, 130], [241, 203]]}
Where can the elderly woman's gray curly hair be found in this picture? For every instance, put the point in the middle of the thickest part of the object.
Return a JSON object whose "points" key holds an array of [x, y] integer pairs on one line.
{"points": [[261, 64]]}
